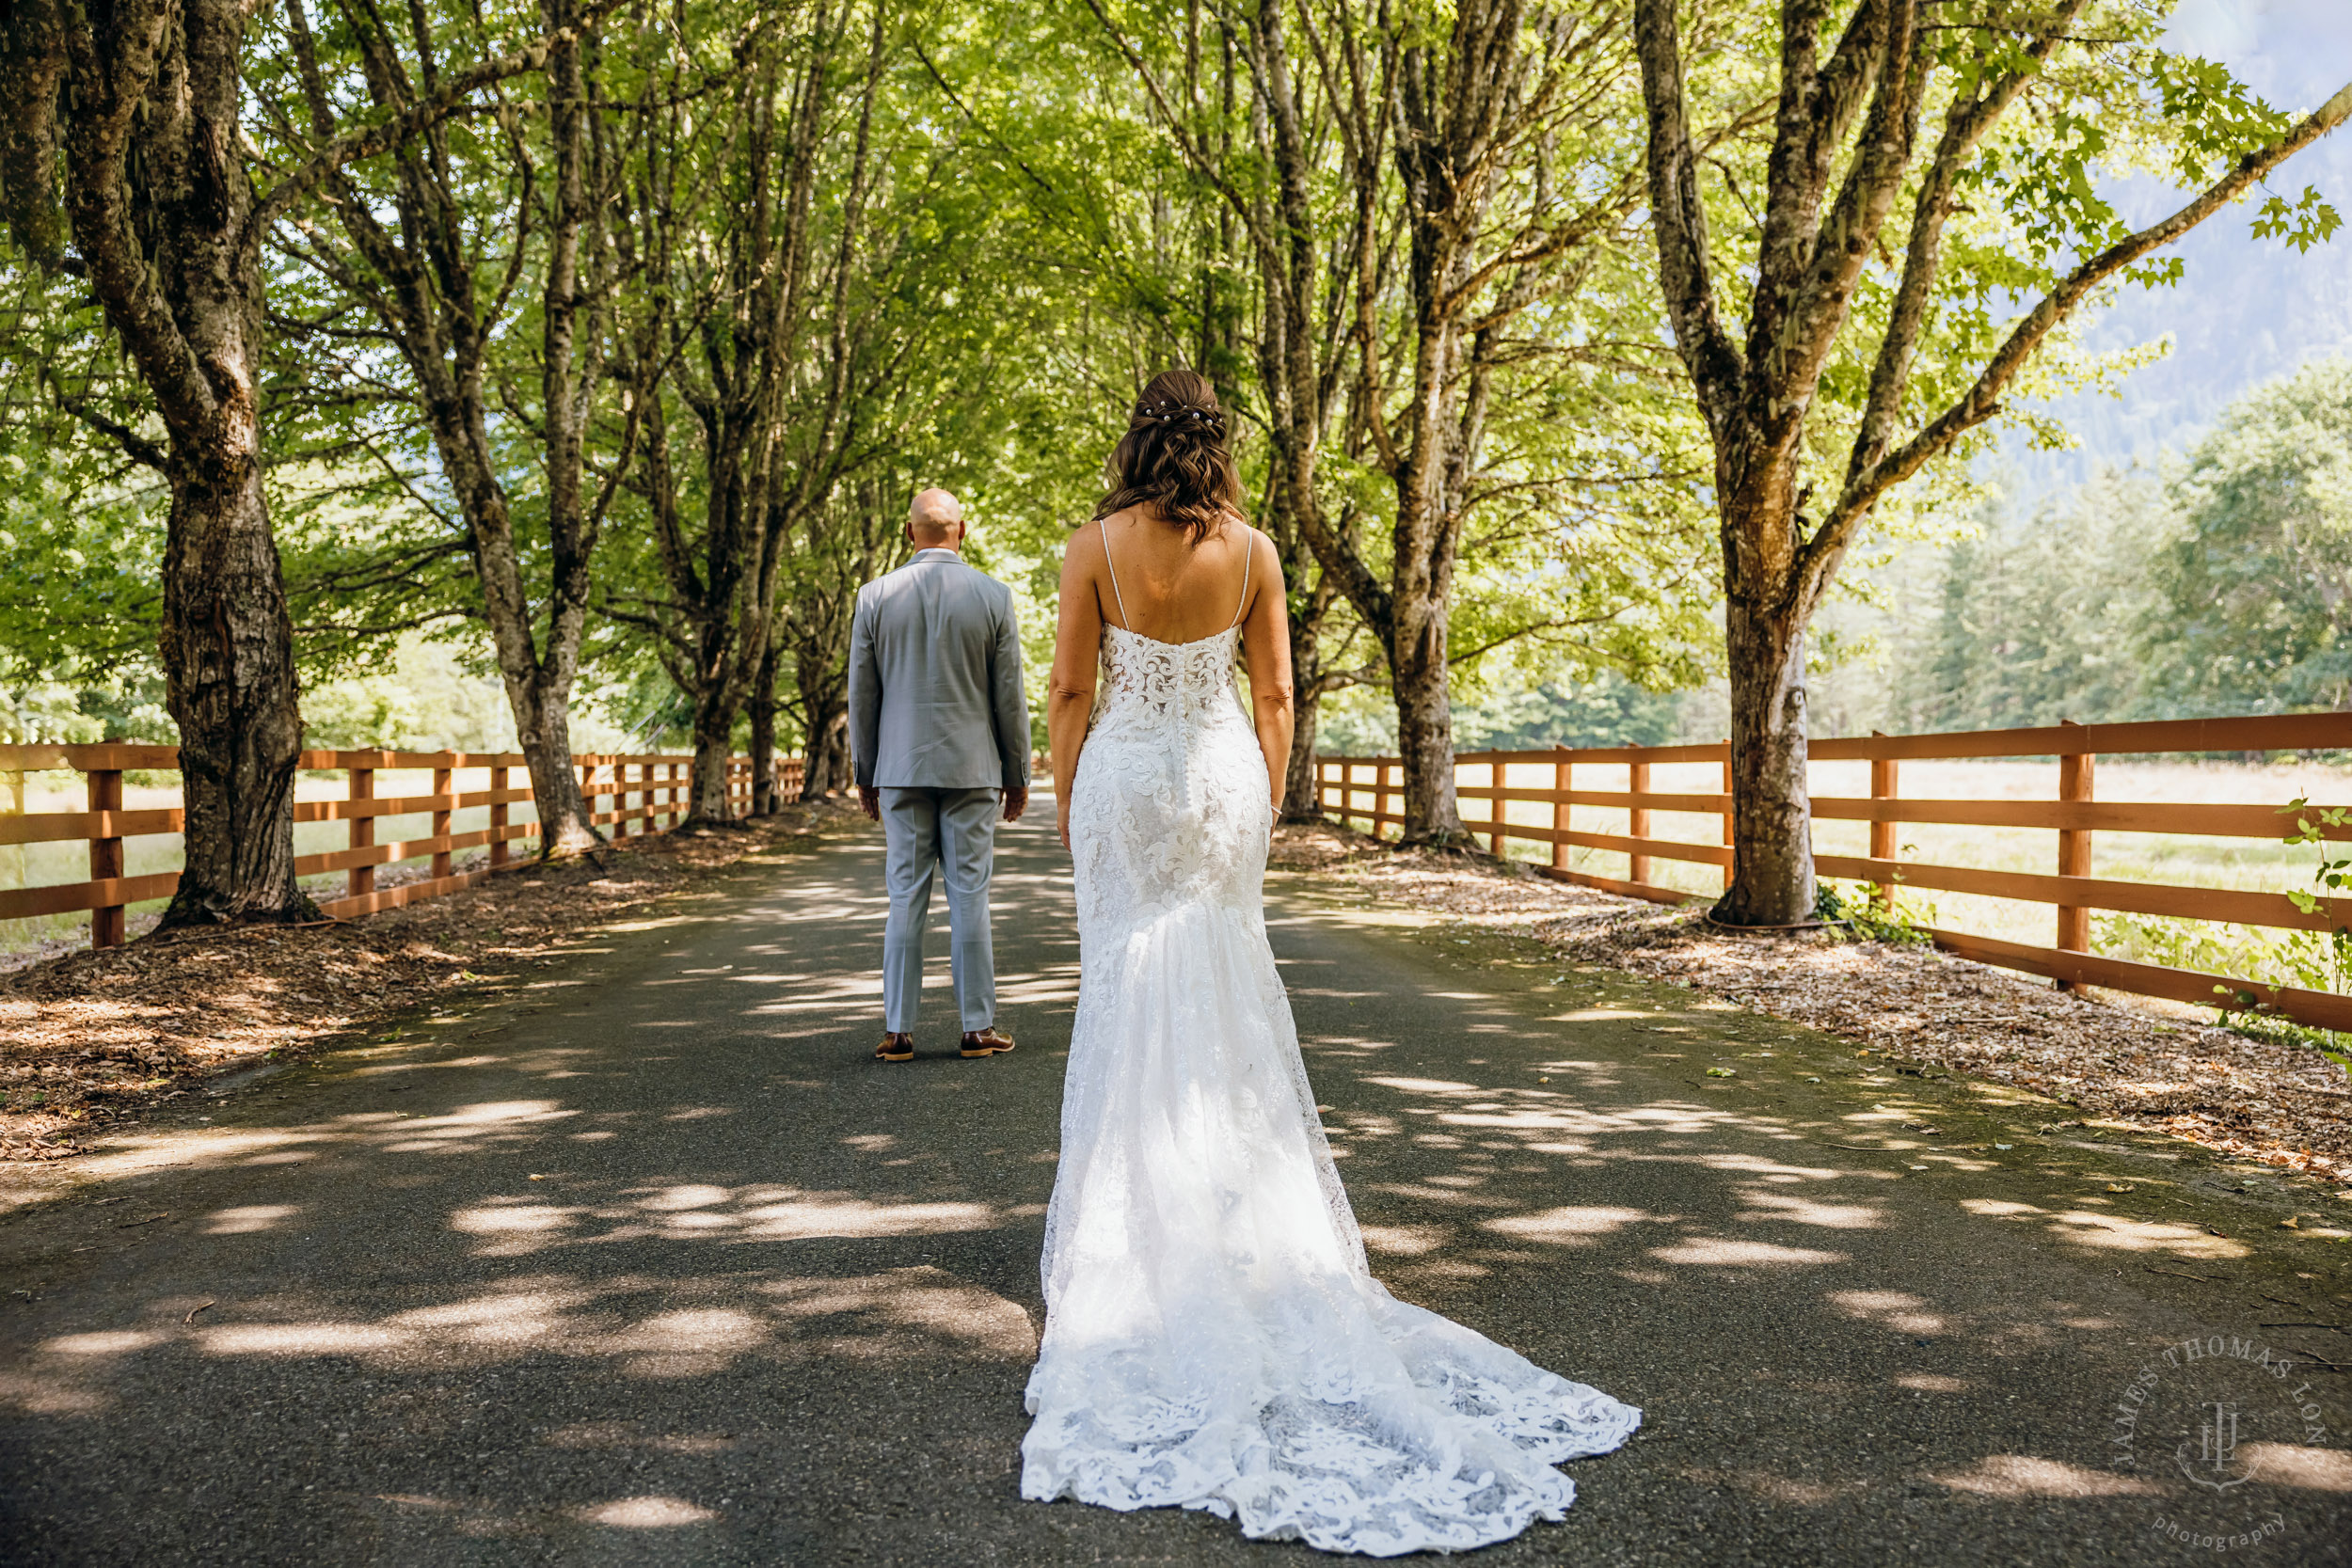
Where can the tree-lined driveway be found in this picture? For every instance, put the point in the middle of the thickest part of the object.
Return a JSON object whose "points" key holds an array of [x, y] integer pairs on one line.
{"points": [[649, 1263]]}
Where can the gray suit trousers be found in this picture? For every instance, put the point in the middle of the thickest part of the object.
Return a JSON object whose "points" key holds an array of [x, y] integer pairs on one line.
{"points": [[926, 833]]}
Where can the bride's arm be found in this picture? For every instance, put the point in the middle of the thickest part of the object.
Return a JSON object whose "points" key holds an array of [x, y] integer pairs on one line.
{"points": [[1077, 661], [1265, 639]]}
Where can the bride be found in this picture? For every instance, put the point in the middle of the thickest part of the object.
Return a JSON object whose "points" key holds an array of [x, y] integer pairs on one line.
{"points": [[1214, 1339]]}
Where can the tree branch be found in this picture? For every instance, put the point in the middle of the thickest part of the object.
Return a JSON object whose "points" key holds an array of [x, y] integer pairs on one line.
{"points": [[134, 446], [1678, 218], [417, 115], [1819, 557], [1964, 126]]}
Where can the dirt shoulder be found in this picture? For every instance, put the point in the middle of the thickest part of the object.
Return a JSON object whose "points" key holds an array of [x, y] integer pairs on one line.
{"points": [[2282, 1105], [90, 1040]]}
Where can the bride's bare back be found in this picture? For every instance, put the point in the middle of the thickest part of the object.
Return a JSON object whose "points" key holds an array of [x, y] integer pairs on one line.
{"points": [[1155, 580], [1133, 571]]}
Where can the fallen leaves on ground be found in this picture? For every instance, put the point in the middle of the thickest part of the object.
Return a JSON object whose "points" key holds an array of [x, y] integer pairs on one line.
{"points": [[91, 1037], [2280, 1103]]}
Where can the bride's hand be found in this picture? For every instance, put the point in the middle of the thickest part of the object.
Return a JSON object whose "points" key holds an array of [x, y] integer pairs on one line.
{"points": [[1061, 818]]}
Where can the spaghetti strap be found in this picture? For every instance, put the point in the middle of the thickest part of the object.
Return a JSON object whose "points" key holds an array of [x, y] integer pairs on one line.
{"points": [[1127, 623], [1250, 555]]}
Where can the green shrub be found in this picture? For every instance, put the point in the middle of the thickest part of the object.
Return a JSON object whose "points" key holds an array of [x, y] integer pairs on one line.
{"points": [[1850, 906]]}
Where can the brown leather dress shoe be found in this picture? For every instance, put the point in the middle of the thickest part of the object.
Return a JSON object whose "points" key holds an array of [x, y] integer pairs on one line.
{"points": [[897, 1047], [991, 1041]]}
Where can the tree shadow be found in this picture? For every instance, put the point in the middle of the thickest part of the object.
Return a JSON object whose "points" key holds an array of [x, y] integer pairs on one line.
{"points": [[664, 1270]]}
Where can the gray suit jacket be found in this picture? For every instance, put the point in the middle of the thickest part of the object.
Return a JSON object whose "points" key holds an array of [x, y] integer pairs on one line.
{"points": [[935, 695]]}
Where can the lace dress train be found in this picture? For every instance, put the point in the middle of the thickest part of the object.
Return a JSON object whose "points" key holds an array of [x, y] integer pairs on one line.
{"points": [[1214, 1337]]}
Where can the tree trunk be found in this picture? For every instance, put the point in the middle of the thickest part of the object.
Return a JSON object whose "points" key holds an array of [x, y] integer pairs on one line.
{"points": [[1301, 800], [424, 288], [1424, 724], [765, 798], [825, 703], [828, 761], [1771, 826], [542, 725], [228, 655], [567, 371], [707, 805], [162, 214]]}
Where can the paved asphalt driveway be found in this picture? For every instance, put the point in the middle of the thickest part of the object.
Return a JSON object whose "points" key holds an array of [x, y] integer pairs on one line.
{"points": [[646, 1264]]}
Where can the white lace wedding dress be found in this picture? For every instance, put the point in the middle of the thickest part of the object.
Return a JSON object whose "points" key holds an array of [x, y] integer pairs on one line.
{"points": [[1214, 1337]]}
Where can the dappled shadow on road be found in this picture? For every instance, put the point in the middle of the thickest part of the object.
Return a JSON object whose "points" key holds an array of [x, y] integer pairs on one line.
{"points": [[668, 1272], [1838, 1313]]}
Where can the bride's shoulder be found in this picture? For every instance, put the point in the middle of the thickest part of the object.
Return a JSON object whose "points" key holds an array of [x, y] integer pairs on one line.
{"points": [[1251, 540], [1084, 551]]}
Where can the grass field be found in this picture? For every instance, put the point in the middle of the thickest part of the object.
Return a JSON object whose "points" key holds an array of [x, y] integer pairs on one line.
{"points": [[2252, 864]]}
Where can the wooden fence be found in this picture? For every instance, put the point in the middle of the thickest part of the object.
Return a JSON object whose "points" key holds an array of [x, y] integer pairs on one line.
{"points": [[649, 791], [1369, 790]]}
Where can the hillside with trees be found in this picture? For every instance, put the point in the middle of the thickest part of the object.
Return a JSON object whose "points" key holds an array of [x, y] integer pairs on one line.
{"points": [[2213, 583]]}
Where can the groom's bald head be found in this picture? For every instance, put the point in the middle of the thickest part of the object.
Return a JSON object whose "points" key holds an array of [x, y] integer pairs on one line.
{"points": [[935, 521]]}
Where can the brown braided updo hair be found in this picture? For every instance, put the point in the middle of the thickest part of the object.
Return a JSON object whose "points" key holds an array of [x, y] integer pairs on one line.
{"points": [[1174, 458]]}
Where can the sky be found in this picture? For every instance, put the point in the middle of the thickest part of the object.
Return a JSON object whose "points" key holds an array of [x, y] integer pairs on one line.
{"points": [[2248, 311], [2293, 52]]}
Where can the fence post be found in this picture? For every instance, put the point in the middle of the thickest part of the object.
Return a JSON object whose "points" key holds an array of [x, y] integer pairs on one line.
{"points": [[497, 814], [1498, 809], [1730, 839], [360, 879], [1882, 786], [12, 805], [1637, 824], [1382, 789], [105, 857], [2074, 783], [1563, 780], [444, 783]]}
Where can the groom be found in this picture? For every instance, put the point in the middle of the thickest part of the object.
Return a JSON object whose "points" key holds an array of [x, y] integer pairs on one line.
{"points": [[939, 734]]}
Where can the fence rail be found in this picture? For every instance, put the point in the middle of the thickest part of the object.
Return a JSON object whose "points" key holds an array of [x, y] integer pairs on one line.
{"points": [[647, 791], [1369, 791]]}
